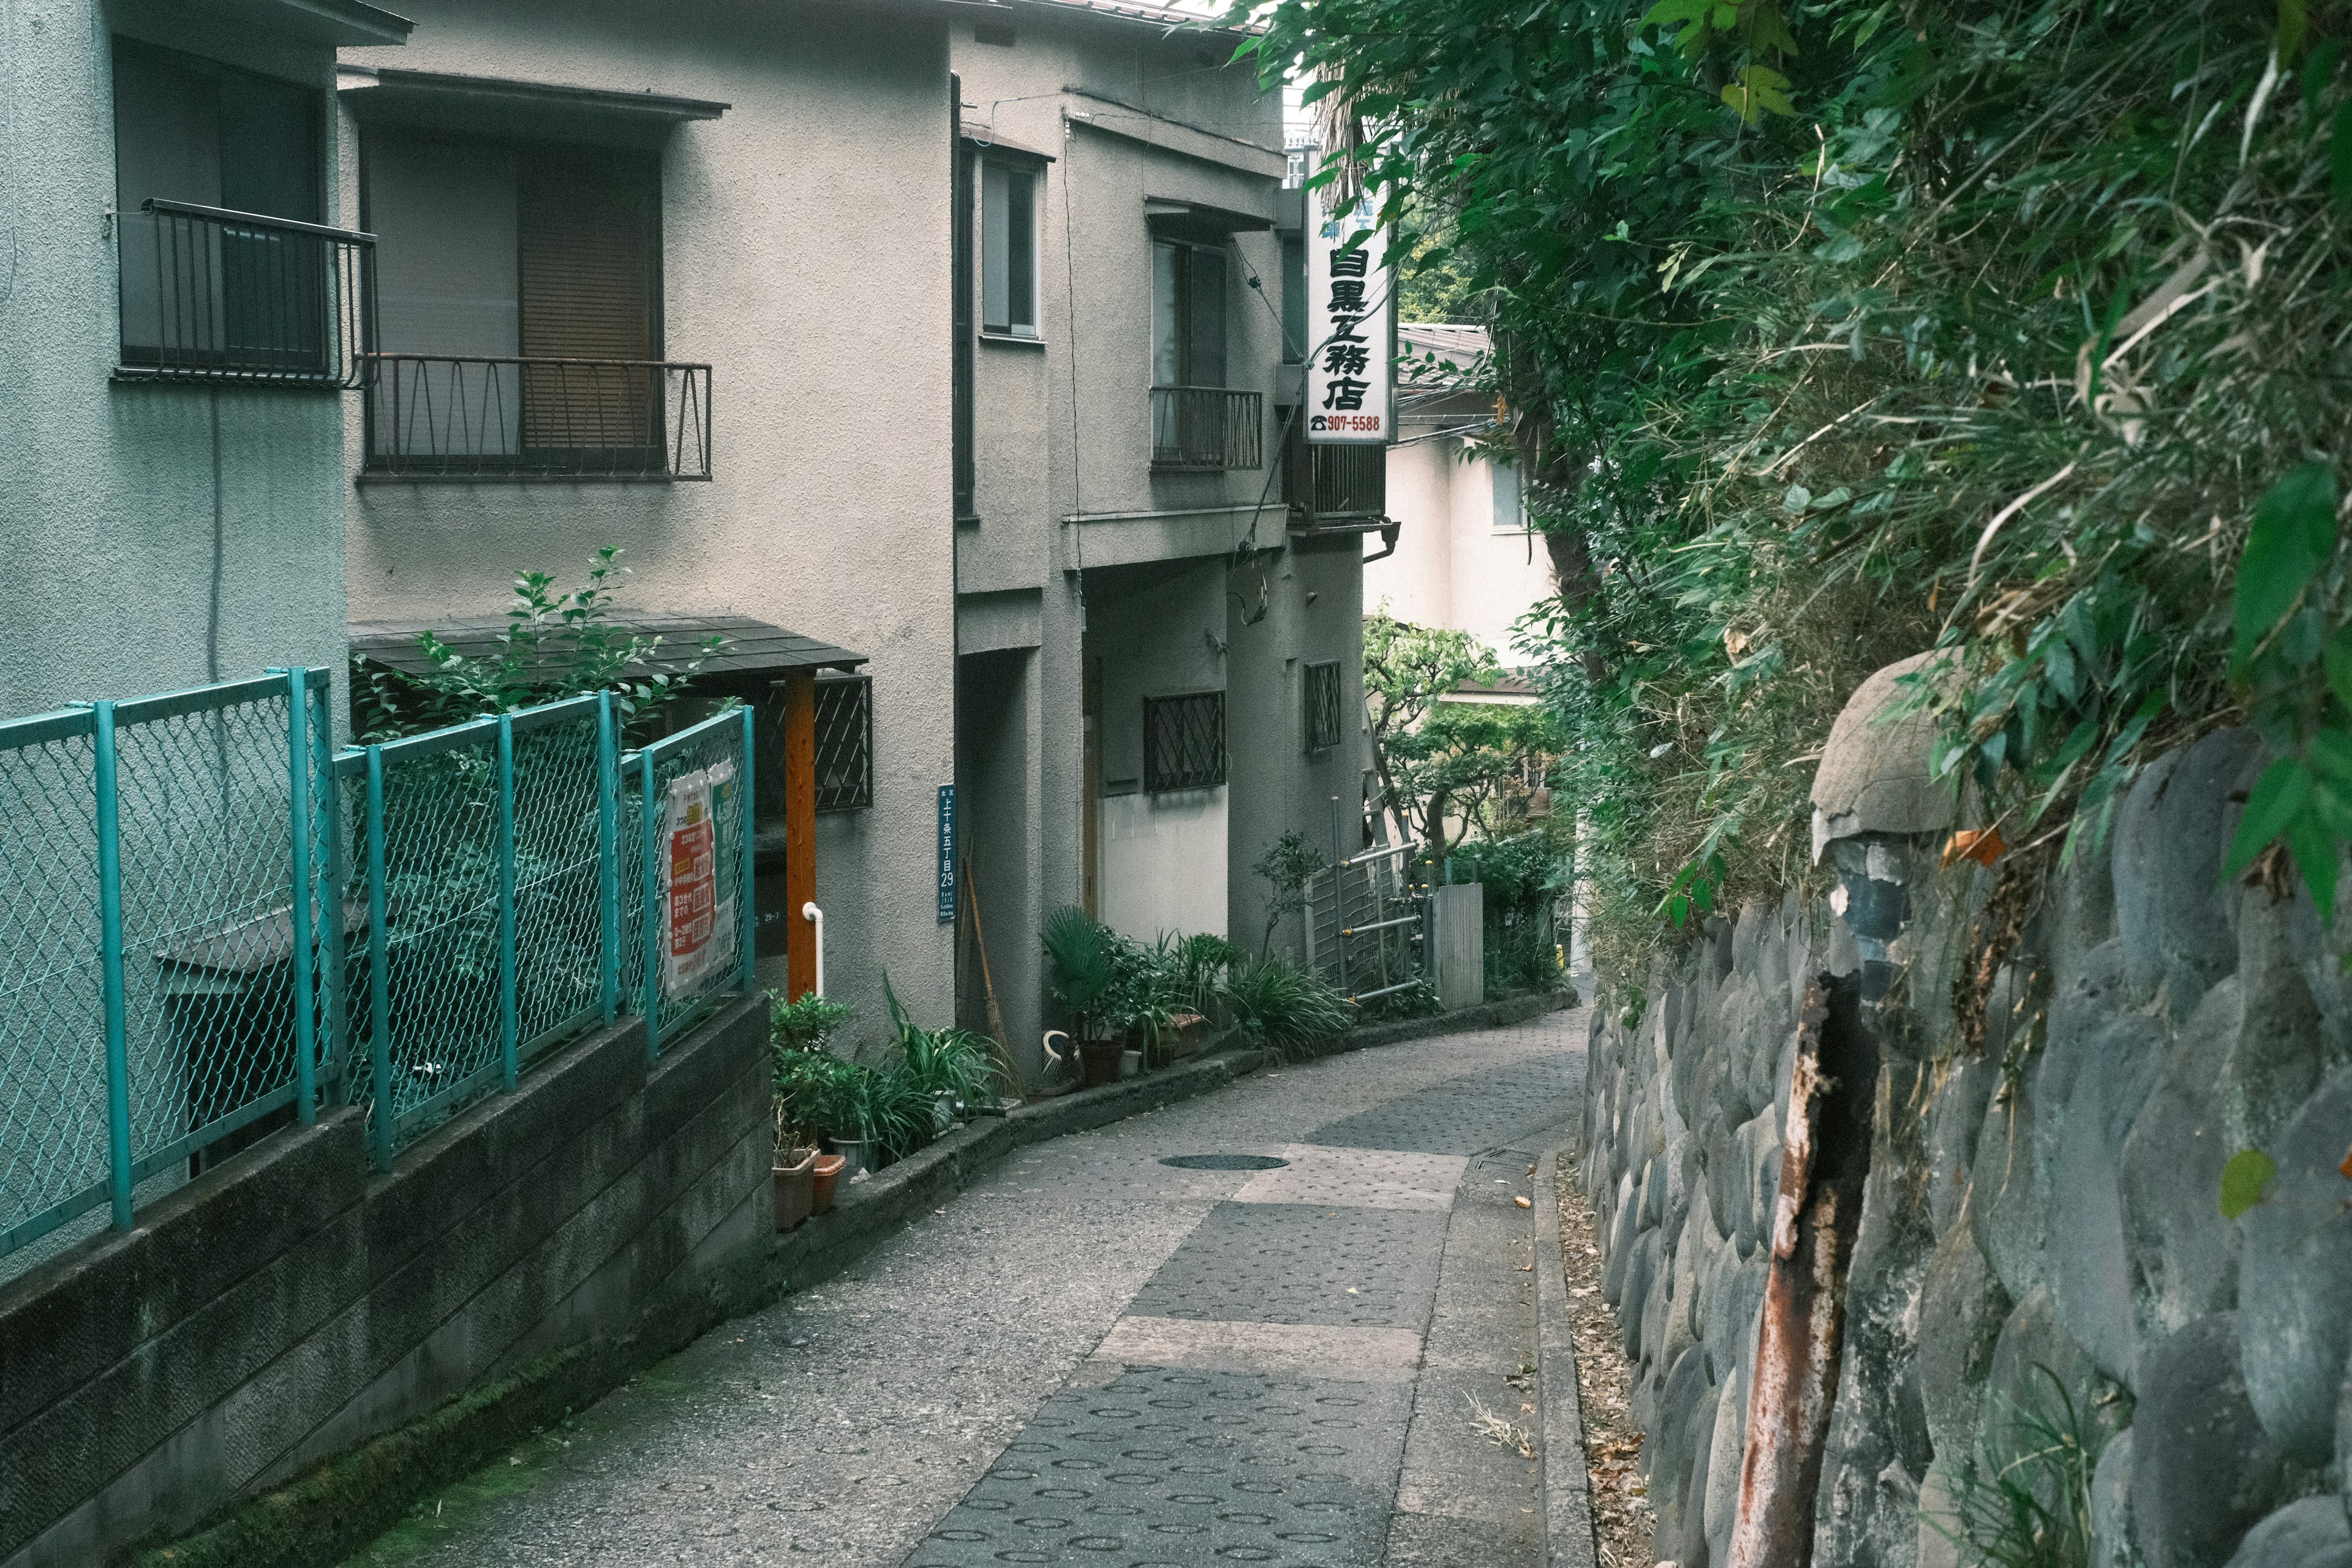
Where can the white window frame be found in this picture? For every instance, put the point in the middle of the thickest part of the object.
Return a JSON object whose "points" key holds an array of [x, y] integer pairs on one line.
{"points": [[1502, 477], [1032, 331]]}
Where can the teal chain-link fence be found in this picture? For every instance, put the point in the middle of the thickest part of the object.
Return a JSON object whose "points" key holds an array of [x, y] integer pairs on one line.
{"points": [[211, 924]]}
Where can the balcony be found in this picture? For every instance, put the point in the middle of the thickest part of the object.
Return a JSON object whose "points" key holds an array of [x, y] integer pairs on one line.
{"points": [[1207, 429], [473, 417], [1335, 488], [209, 294]]}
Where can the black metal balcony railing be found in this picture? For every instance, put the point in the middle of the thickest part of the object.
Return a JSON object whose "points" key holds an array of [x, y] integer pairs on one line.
{"points": [[477, 417], [1207, 428], [211, 294]]}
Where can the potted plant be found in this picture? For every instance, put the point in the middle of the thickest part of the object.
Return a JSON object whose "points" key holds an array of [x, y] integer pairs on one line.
{"points": [[799, 1063], [1081, 961], [795, 1184], [825, 1172]]}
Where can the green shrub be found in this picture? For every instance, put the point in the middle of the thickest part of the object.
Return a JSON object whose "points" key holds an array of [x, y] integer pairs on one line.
{"points": [[808, 1024], [1286, 1007], [954, 1061]]}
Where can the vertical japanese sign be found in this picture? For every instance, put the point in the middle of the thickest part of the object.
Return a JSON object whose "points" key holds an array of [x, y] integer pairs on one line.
{"points": [[1348, 302], [699, 930], [947, 854]]}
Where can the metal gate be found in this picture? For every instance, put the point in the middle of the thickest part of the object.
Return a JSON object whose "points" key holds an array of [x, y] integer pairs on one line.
{"points": [[1366, 923]]}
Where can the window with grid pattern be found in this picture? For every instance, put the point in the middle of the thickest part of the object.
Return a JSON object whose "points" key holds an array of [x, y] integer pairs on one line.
{"points": [[1323, 705], [1184, 741], [845, 743]]}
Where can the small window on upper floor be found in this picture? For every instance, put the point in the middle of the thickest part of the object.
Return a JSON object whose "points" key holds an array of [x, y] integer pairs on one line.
{"points": [[1510, 506], [200, 150], [1187, 314], [1008, 249]]}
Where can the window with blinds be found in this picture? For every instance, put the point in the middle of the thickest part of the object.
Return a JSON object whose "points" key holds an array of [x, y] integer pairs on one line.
{"points": [[530, 277]]}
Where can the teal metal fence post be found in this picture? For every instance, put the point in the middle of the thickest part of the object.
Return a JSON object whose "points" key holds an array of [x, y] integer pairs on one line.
{"points": [[508, 1021], [747, 915], [608, 853], [297, 814], [109, 948], [328, 815], [379, 973], [649, 868]]}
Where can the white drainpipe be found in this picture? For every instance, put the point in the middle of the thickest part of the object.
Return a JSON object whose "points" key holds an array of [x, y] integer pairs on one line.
{"points": [[815, 917]]}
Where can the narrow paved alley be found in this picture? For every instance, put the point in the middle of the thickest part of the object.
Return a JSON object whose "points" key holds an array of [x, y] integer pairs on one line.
{"points": [[1289, 1324]]}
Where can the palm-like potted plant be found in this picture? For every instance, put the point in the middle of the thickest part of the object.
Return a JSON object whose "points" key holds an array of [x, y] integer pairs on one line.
{"points": [[1082, 962]]}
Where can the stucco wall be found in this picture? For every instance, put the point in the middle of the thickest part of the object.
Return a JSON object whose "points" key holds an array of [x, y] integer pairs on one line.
{"points": [[124, 504], [2040, 1237], [804, 256], [1453, 567]]}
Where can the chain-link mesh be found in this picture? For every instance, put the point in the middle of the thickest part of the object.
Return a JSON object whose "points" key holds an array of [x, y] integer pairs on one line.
{"points": [[204, 785], [449, 873], [53, 1147], [207, 921], [697, 802], [244, 857], [559, 923]]}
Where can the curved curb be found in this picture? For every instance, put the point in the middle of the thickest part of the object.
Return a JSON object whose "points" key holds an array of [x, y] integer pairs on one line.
{"points": [[1569, 1538]]}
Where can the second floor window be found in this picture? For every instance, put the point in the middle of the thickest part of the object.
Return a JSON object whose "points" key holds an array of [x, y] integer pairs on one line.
{"points": [[1008, 249], [202, 292], [525, 279], [1187, 314]]}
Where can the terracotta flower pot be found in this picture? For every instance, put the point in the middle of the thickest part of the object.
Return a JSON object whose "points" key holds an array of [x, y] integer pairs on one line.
{"points": [[1100, 1060], [795, 1186], [826, 1172]]}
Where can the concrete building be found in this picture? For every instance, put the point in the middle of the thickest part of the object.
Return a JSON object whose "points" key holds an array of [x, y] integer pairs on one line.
{"points": [[171, 447], [1466, 557], [1160, 657], [680, 282]]}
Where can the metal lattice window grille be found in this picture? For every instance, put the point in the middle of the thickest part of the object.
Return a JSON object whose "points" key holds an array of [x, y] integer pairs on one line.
{"points": [[845, 743], [1322, 694], [1184, 741]]}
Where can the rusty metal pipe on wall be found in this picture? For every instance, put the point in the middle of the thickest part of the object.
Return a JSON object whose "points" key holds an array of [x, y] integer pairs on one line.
{"points": [[1825, 1157]]}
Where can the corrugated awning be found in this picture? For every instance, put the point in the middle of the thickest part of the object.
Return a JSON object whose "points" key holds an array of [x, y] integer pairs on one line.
{"points": [[753, 647], [500, 106]]}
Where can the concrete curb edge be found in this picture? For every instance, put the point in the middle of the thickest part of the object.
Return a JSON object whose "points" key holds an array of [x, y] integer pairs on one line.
{"points": [[865, 1213], [1569, 1538]]}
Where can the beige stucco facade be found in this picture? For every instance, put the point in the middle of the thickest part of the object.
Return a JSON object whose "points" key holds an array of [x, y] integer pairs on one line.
{"points": [[804, 255], [1091, 581]]}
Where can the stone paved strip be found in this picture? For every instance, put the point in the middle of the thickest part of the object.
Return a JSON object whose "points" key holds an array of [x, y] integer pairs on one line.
{"points": [[1366, 1356], [842, 1425]]}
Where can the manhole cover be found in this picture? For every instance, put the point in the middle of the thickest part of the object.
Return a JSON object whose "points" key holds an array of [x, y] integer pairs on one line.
{"points": [[1224, 1162]]}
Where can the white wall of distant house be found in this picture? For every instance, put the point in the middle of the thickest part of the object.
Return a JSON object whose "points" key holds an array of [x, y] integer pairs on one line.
{"points": [[1453, 566]]}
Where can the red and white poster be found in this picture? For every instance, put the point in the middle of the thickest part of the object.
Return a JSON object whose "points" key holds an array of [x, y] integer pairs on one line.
{"points": [[700, 931]]}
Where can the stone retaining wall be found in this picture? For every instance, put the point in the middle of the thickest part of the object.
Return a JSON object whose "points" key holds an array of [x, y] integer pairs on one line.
{"points": [[2041, 1244]]}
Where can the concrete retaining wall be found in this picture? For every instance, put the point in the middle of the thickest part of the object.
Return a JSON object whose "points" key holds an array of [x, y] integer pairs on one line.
{"points": [[2041, 1231], [291, 1304]]}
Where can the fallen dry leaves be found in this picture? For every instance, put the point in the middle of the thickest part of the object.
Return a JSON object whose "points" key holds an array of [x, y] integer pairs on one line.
{"points": [[1612, 1444]]}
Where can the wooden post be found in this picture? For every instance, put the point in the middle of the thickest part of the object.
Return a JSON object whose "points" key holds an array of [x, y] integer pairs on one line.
{"points": [[800, 832]]}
